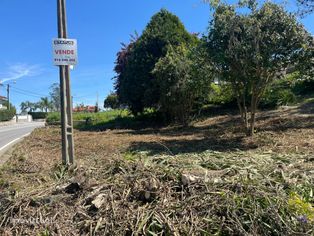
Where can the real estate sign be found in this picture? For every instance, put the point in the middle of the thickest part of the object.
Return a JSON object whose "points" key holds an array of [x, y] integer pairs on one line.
{"points": [[64, 52]]}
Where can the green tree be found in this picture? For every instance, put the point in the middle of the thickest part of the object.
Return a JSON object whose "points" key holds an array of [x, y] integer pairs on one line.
{"points": [[55, 96], [251, 50], [5, 114], [137, 86], [120, 68], [112, 101], [306, 6], [23, 106], [45, 104], [28, 106], [183, 78]]}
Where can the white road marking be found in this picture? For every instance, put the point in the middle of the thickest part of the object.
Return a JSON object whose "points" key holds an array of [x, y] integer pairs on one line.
{"points": [[13, 141], [17, 127]]}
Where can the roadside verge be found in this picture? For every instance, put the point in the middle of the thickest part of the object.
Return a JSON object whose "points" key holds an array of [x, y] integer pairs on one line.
{"points": [[6, 150]]}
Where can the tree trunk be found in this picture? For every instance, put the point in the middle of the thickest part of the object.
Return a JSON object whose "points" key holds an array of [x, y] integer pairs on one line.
{"points": [[253, 114], [243, 112]]}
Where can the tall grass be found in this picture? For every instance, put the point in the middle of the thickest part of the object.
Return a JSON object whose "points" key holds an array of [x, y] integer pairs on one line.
{"points": [[88, 118]]}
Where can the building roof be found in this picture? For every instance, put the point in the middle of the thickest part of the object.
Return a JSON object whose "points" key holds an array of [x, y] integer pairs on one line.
{"points": [[3, 98]]}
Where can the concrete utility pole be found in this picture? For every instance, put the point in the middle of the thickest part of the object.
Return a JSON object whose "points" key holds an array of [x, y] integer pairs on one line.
{"points": [[65, 92]]}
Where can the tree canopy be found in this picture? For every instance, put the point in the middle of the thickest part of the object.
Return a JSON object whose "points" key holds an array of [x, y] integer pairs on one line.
{"points": [[251, 50], [135, 84]]}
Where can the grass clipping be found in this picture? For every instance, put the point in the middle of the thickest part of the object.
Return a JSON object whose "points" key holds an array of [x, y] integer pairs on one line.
{"points": [[118, 190], [208, 194]]}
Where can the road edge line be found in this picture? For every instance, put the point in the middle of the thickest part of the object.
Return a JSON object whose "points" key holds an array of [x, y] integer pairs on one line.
{"points": [[13, 141]]}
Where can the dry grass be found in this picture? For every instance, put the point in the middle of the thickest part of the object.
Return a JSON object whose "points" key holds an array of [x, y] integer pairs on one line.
{"points": [[205, 179]]}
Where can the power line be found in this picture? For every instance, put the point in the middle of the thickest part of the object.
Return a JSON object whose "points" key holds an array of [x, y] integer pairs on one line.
{"points": [[26, 94], [30, 92]]}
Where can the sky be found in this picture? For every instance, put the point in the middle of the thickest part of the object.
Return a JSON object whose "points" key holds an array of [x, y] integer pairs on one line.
{"points": [[100, 26]]}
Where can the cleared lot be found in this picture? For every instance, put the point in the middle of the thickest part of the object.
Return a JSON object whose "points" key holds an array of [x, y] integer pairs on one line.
{"points": [[206, 179]]}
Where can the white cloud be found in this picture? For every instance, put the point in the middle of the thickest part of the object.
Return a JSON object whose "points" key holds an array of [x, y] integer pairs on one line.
{"points": [[19, 71]]}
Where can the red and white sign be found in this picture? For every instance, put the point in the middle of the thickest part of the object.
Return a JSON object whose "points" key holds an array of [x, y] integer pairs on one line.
{"points": [[64, 52]]}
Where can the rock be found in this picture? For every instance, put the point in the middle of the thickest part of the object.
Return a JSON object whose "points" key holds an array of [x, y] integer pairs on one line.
{"points": [[99, 201], [188, 179]]}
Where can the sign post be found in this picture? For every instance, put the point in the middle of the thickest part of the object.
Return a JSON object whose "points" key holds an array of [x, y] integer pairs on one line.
{"points": [[65, 54]]}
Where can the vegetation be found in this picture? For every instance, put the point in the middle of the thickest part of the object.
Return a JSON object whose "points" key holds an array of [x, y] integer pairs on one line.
{"points": [[28, 106], [133, 176], [237, 63], [44, 105], [55, 97], [86, 120], [205, 179], [183, 79], [7, 115], [251, 50], [306, 6], [38, 115], [136, 86], [112, 101]]}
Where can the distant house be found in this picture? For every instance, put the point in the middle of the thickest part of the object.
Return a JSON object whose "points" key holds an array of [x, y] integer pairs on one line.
{"points": [[2, 102], [90, 109]]}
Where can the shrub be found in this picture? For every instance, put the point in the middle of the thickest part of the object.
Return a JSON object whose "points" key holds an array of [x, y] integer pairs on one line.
{"points": [[304, 86], [278, 97], [53, 118], [221, 94], [7, 115], [112, 101], [181, 82], [136, 86], [281, 92], [38, 115]]}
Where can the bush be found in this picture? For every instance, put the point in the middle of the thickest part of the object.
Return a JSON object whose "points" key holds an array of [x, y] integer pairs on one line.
{"points": [[53, 118], [136, 86], [7, 115], [221, 94], [112, 101], [304, 86], [278, 97], [181, 83], [38, 115]]}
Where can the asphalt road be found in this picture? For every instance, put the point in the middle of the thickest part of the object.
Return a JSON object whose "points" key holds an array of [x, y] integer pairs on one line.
{"points": [[10, 135]]}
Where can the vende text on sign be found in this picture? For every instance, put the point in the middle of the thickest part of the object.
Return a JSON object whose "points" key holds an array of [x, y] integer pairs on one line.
{"points": [[64, 52]]}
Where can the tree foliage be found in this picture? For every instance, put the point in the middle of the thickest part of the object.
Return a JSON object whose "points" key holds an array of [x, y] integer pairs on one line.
{"points": [[112, 101], [28, 106], [306, 6], [135, 84], [251, 50], [55, 97], [45, 104], [183, 78], [120, 68], [7, 114]]}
